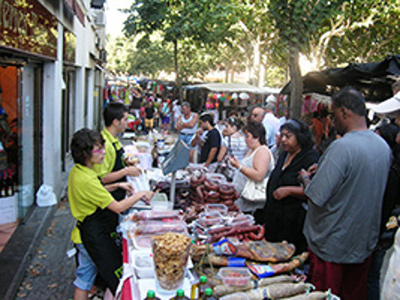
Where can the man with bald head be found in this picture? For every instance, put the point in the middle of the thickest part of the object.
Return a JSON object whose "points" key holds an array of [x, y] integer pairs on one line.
{"points": [[268, 119], [257, 115]]}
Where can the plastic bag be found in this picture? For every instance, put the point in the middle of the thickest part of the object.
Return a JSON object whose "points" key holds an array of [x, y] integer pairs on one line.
{"points": [[45, 196], [139, 183]]}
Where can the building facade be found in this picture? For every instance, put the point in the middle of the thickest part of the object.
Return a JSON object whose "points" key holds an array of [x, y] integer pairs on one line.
{"points": [[51, 79]]}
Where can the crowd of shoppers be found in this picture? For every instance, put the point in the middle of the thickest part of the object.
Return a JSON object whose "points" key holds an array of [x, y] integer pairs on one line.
{"points": [[330, 185]]}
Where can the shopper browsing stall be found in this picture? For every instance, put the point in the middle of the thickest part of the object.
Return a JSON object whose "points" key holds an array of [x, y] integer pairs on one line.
{"points": [[256, 166], [211, 145], [90, 204], [234, 140], [346, 193], [284, 212]]}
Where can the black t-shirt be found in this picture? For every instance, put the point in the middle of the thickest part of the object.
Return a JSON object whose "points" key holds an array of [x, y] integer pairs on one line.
{"points": [[136, 103], [212, 140], [149, 112]]}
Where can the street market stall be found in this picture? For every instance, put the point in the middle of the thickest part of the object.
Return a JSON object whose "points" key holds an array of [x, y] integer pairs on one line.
{"points": [[222, 98], [170, 244]]}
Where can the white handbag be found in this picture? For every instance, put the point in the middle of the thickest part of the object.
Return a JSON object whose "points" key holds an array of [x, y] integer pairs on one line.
{"points": [[255, 191]]}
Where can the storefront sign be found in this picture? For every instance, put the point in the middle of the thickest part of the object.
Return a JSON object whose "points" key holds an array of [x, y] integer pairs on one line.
{"points": [[28, 26], [69, 46]]}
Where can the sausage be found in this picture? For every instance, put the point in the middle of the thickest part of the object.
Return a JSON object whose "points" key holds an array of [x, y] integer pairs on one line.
{"points": [[228, 203], [226, 197], [217, 237], [212, 186], [259, 236], [195, 181], [248, 228], [212, 200], [216, 230], [213, 194], [226, 189], [199, 192]]}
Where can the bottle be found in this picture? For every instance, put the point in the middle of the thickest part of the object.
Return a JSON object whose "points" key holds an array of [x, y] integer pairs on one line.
{"points": [[208, 295], [180, 295], [10, 183], [199, 288], [151, 295], [4, 190]]}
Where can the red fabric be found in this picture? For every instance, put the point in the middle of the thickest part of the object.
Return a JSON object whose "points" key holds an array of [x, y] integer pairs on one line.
{"points": [[348, 281], [125, 258], [126, 293]]}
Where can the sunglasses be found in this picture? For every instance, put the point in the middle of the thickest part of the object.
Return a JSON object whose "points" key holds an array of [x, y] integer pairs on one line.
{"points": [[101, 150], [254, 115]]}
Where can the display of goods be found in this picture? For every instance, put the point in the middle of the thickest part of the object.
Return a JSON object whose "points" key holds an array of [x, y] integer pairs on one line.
{"points": [[263, 271], [235, 276], [222, 290], [196, 168], [170, 253], [266, 251], [220, 208], [242, 232], [261, 251], [156, 215], [242, 220], [143, 264], [280, 290], [206, 219], [159, 227]]}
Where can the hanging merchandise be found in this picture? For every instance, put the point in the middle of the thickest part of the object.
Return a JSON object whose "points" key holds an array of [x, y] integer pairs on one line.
{"points": [[244, 96], [3, 157]]}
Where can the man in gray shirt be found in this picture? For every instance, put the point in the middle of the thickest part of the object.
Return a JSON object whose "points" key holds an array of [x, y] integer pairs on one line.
{"points": [[343, 221]]}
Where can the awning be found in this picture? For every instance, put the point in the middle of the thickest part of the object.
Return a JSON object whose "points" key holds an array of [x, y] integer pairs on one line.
{"points": [[232, 88], [372, 79]]}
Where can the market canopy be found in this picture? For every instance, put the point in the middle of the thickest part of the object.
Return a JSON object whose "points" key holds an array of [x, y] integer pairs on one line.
{"points": [[233, 88], [372, 79]]}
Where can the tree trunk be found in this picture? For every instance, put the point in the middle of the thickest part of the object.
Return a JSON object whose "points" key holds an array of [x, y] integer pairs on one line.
{"points": [[227, 69], [257, 61], [296, 83], [176, 66]]}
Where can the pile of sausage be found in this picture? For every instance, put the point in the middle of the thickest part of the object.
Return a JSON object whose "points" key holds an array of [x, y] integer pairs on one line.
{"points": [[203, 191], [242, 233]]}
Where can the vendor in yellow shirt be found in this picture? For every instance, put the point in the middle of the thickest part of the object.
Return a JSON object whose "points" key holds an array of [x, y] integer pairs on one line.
{"points": [[113, 168], [92, 205]]}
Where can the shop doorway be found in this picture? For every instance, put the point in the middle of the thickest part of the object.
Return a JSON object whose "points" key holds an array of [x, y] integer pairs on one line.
{"points": [[20, 144]]}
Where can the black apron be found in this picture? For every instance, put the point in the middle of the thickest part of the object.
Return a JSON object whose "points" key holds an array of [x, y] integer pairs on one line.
{"points": [[119, 193], [98, 237]]}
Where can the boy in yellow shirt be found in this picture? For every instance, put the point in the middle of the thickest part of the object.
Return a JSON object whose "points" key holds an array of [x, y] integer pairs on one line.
{"points": [[92, 206]]}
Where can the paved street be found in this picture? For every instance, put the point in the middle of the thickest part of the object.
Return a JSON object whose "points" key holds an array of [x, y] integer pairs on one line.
{"points": [[51, 272]]}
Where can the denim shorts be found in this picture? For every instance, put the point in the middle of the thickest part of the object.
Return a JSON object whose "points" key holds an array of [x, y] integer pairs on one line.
{"points": [[86, 271], [186, 138]]}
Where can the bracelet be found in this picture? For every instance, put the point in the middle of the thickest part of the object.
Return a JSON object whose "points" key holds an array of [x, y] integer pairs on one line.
{"points": [[240, 168]]}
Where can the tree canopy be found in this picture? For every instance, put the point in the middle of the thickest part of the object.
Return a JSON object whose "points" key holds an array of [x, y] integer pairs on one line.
{"points": [[263, 38]]}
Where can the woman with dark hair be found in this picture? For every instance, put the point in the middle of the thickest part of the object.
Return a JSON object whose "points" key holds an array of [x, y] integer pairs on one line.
{"points": [[256, 165], [94, 207], [285, 211], [234, 143]]}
